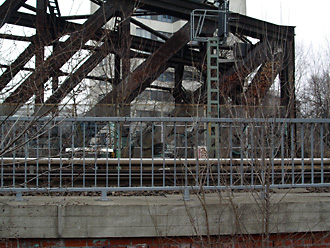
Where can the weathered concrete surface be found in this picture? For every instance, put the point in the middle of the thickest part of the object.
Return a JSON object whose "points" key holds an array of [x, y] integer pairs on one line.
{"points": [[138, 216]]}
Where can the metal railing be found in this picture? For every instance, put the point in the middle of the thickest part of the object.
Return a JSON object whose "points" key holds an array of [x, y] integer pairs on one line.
{"points": [[134, 154]]}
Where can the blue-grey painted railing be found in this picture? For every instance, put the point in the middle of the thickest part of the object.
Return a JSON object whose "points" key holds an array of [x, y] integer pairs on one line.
{"points": [[121, 154]]}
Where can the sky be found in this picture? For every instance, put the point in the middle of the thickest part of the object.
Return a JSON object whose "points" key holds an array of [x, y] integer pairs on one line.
{"points": [[311, 19]]}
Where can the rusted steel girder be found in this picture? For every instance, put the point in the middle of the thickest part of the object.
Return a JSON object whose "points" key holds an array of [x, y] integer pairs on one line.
{"points": [[16, 66], [287, 79], [41, 37], [231, 82], [258, 29], [238, 23], [8, 8], [73, 80], [139, 79], [263, 80], [54, 62]]}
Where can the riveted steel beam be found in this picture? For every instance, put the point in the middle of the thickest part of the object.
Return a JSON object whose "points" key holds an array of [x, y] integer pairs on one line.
{"points": [[8, 8], [27, 89], [139, 79]]}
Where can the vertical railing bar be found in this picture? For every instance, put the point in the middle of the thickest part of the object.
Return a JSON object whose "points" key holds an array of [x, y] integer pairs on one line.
{"points": [[282, 152], [197, 155], [208, 141], [141, 154], [175, 151], [107, 137], [61, 148], [252, 154], [72, 152], [322, 154], [219, 154], [292, 153], [273, 152], [263, 178], [2, 164], [312, 152], [95, 154], [26, 156], [14, 155], [84, 154], [38, 144], [302, 155], [118, 153], [49, 155], [241, 154], [185, 155], [163, 134], [231, 152], [130, 154], [152, 154]]}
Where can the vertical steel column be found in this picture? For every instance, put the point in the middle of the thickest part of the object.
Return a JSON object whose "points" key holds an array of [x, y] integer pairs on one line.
{"points": [[40, 54], [125, 39], [213, 97], [2, 147], [177, 92]]}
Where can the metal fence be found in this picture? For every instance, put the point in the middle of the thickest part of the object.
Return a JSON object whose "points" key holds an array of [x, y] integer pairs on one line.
{"points": [[134, 154]]}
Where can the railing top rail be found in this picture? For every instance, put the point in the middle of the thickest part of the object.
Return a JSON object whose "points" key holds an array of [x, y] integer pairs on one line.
{"points": [[168, 119]]}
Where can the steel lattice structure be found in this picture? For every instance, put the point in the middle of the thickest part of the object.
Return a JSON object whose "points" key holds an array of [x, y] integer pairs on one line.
{"points": [[274, 46]]}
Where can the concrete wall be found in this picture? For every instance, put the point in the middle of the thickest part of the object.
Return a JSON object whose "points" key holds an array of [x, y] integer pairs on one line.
{"points": [[159, 216]]}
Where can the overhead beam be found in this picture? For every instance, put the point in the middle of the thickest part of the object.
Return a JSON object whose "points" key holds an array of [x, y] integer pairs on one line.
{"points": [[149, 29], [18, 65], [54, 62], [74, 79], [17, 37], [138, 80], [8, 8], [258, 29], [238, 23], [180, 9], [28, 20]]}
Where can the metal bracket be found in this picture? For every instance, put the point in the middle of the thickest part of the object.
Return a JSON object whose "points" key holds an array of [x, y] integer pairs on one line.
{"points": [[19, 196], [104, 196], [186, 194], [197, 20]]}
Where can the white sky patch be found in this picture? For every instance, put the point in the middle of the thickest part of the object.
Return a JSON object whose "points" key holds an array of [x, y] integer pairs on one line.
{"points": [[309, 17]]}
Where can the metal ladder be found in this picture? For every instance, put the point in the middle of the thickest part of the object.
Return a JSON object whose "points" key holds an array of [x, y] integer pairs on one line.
{"points": [[213, 96], [54, 8]]}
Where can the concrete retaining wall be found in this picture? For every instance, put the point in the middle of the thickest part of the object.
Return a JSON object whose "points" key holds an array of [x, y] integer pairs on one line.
{"points": [[160, 216]]}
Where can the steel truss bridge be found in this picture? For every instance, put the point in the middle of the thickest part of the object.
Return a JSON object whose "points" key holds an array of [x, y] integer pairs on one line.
{"points": [[46, 153], [65, 36]]}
